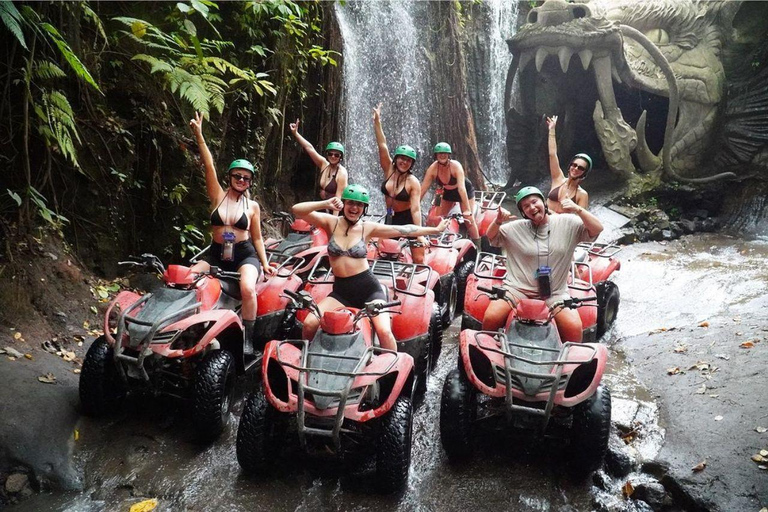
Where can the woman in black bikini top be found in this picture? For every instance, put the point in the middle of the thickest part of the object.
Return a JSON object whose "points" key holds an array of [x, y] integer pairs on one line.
{"points": [[354, 284], [236, 225], [333, 175], [458, 189], [566, 187], [401, 189]]}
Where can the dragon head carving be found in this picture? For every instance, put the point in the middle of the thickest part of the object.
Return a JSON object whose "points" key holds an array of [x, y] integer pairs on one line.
{"points": [[638, 84]]}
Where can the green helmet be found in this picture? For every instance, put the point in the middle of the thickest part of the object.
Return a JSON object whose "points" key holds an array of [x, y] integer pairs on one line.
{"points": [[241, 164], [585, 157], [335, 146], [356, 193], [525, 192], [406, 151], [442, 147]]}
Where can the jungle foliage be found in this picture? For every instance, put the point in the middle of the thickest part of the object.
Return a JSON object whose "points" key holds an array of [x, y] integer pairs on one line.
{"points": [[96, 97]]}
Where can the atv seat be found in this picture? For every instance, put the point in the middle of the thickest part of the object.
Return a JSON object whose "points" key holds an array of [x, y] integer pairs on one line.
{"points": [[333, 353]]}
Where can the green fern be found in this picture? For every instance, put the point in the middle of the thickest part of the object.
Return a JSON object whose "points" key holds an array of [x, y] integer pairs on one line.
{"points": [[155, 63], [12, 20], [78, 67], [47, 70]]}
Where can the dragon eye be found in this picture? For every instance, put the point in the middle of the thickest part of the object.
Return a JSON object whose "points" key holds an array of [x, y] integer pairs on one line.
{"points": [[658, 36]]}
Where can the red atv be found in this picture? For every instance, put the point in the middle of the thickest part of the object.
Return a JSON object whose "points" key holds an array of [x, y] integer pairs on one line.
{"points": [[524, 376], [594, 264], [346, 394], [417, 325], [300, 239], [487, 204], [184, 340]]}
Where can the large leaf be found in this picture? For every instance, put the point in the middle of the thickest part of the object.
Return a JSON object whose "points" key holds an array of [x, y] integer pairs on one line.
{"points": [[12, 20], [69, 55]]}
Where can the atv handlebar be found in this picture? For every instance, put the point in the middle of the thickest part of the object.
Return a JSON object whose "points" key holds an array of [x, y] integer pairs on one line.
{"points": [[146, 260], [498, 293], [372, 309]]}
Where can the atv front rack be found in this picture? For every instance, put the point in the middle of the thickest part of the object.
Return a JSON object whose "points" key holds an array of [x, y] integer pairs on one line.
{"points": [[286, 264], [553, 381], [152, 328], [407, 278], [600, 249], [343, 394], [488, 199], [490, 266], [444, 240]]}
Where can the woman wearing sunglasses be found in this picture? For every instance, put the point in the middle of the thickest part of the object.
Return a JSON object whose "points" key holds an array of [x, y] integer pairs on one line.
{"points": [[236, 225], [566, 187], [333, 175]]}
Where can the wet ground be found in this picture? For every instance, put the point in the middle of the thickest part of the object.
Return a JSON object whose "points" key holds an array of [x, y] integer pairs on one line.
{"points": [[667, 290]]}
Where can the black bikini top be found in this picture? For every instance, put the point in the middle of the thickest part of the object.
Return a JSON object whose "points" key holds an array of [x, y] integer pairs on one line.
{"points": [[401, 196], [359, 250], [242, 222]]}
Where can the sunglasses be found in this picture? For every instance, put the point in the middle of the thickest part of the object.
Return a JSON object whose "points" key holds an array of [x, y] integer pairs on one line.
{"points": [[241, 177], [579, 167], [334, 154]]}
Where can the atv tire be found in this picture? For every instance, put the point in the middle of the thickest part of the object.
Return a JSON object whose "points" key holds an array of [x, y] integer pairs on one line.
{"points": [[393, 447], [590, 432], [608, 299], [435, 336], [101, 387], [458, 410], [213, 392], [449, 294], [261, 434], [462, 274]]}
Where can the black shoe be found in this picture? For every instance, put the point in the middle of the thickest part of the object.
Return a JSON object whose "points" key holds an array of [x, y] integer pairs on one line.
{"points": [[248, 339]]}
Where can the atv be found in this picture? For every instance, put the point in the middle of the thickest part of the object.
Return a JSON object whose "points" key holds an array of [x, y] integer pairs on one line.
{"points": [[525, 377], [594, 264], [300, 239], [184, 340], [341, 393], [417, 326]]}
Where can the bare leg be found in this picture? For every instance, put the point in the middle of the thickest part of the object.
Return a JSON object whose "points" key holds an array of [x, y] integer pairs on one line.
{"points": [[496, 315], [383, 325], [249, 275], [569, 325]]}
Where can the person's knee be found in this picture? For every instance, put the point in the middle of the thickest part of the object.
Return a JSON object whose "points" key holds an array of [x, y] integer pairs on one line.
{"points": [[248, 291], [569, 325], [495, 316]]}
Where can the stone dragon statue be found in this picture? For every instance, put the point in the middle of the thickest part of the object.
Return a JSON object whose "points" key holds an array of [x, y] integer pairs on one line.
{"points": [[640, 84]]}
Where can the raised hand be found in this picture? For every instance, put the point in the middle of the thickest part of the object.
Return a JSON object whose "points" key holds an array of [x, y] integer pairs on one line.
{"points": [[503, 216], [551, 122], [443, 225], [294, 126], [335, 204], [569, 206], [196, 124], [377, 112]]}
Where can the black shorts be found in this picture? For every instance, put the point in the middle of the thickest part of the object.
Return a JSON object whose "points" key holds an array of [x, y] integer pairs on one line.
{"points": [[355, 291], [402, 218], [453, 194], [245, 253]]}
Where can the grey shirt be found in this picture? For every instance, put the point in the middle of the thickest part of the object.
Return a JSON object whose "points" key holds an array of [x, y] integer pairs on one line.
{"points": [[527, 248]]}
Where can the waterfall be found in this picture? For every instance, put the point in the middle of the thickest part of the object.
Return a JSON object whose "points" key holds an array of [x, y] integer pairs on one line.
{"points": [[382, 63]]}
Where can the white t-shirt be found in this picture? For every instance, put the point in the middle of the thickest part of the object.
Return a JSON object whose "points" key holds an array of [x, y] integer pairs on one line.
{"points": [[527, 248]]}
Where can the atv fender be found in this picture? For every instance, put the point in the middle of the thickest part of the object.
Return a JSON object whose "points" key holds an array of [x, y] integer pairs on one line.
{"points": [[402, 367], [414, 317], [224, 321], [123, 300], [465, 249], [475, 301], [442, 259], [270, 293], [480, 367], [310, 256]]}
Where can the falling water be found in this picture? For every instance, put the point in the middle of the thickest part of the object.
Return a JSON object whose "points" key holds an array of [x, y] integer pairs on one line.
{"points": [[382, 63]]}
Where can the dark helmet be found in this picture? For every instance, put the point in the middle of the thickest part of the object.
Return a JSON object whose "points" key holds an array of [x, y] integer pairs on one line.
{"points": [[529, 191]]}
